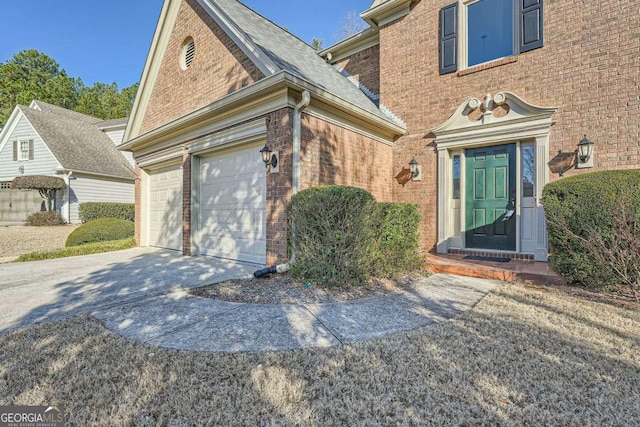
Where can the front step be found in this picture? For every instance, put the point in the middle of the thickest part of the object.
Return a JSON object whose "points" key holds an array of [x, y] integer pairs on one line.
{"points": [[494, 254], [513, 271]]}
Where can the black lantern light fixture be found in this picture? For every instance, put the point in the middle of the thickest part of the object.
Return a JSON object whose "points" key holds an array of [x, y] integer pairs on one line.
{"points": [[585, 153], [269, 158], [416, 170]]}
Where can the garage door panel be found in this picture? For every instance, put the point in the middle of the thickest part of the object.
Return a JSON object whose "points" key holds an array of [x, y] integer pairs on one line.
{"points": [[232, 206], [165, 208]]}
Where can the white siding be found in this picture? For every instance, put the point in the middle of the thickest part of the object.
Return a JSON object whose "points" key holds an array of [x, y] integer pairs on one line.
{"points": [[115, 135], [86, 188], [43, 163]]}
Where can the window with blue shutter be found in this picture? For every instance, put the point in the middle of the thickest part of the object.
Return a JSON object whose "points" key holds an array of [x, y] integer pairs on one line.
{"points": [[449, 38], [492, 29], [530, 25]]}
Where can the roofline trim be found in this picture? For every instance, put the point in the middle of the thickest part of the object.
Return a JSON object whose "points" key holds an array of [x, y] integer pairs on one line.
{"points": [[354, 44], [168, 15], [257, 91], [244, 42], [386, 12]]}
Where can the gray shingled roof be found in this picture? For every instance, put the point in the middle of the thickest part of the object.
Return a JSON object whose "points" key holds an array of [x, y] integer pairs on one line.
{"points": [[71, 115], [75, 140], [295, 56], [113, 122]]}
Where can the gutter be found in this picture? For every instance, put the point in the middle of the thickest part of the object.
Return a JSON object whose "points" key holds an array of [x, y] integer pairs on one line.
{"points": [[254, 93], [295, 180]]}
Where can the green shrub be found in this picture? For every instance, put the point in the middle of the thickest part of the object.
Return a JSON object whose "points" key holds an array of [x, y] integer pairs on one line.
{"points": [[593, 224], [95, 210], [396, 239], [47, 218], [331, 234], [99, 230], [343, 237]]}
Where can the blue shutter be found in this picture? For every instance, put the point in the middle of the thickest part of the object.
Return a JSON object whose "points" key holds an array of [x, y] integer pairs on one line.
{"points": [[449, 38], [531, 35]]}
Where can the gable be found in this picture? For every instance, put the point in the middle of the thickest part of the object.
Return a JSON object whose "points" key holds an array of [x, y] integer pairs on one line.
{"points": [[219, 67], [43, 162]]}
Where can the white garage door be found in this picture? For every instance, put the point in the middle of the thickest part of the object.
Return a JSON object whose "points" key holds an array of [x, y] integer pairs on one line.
{"points": [[165, 208], [232, 206]]}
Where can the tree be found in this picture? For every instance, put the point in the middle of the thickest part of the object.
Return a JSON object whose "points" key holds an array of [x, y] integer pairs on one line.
{"points": [[351, 24], [105, 101], [317, 43], [46, 186], [30, 75]]}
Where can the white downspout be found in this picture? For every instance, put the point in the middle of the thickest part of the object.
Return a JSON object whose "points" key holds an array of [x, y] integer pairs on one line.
{"points": [[295, 178], [69, 197]]}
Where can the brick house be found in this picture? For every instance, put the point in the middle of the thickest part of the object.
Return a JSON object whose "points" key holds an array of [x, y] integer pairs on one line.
{"points": [[489, 99]]}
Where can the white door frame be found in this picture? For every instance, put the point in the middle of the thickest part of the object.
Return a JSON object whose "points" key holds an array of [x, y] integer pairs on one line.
{"points": [[522, 123]]}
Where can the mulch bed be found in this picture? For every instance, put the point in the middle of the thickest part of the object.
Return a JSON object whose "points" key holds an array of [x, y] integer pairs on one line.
{"points": [[283, 289]]}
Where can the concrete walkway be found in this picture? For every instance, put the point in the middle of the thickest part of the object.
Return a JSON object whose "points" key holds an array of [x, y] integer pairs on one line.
{"points": [[141, 295]]}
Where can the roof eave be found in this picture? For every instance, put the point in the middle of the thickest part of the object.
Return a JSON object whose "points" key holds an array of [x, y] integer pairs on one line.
{"points": [[257, 91], [386, 12], [347, 47]]}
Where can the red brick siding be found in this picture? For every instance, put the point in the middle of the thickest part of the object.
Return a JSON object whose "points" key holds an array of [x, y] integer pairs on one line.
{"points": [[330, 155], [588, 68], [219, 68], [334, 155], [364, 66], [279, 138]]}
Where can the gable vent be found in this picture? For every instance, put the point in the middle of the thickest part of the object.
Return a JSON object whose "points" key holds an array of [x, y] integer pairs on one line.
{"points": [[188, 51]]}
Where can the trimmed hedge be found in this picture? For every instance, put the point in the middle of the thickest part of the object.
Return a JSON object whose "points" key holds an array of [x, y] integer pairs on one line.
{"points": [[397, 239], [592, 221], [343, 237], [43, 219], [99, 230], [330, 234], [95, 210]]}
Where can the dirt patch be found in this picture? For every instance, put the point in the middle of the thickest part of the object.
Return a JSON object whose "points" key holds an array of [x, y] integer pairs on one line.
{"points": [[283, 289], [16, 240]]}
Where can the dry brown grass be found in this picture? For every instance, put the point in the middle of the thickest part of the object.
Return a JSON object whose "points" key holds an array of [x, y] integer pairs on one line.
{"points": [[17, 240], [520, 357]]}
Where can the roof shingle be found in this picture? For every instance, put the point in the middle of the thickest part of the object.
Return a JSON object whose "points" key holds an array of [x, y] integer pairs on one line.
{"points": [[76, 141]]}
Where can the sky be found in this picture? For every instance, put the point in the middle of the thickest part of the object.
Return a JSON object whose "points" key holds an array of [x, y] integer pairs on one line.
{"points": [[108, 40]]}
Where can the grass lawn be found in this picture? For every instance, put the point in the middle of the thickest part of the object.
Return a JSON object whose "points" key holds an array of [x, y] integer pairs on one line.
{"points": [[521, 357], [86, 249]]}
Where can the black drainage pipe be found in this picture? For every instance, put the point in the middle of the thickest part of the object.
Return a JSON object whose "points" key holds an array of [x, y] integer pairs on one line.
{"points": [[265, 272]]}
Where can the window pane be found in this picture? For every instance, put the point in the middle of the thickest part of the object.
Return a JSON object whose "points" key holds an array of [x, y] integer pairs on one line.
{"points": [[528, 171], [456, 177], [490, 27], [24, 150]]}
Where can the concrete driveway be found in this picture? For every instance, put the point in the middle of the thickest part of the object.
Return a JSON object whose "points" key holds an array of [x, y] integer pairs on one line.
{"points": [[140, 294], [39, 291]]}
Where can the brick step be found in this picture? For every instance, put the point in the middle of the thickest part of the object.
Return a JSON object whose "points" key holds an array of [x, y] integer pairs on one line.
{"points": [[513, 271]]}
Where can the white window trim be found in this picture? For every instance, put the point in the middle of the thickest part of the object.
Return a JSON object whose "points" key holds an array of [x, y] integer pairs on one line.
{"points": [[20, 153], [463, 33]]}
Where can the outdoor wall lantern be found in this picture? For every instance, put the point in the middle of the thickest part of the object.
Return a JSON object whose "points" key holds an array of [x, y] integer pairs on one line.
{"points": [[416, 170], [270, 159], [21, 170], [585, 153]]}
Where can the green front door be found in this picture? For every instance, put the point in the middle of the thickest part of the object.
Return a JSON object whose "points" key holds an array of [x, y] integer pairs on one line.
{"points": [[490, 197]]}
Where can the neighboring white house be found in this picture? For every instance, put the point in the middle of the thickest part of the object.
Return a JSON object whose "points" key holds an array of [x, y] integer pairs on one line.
{"points": [[43, 139]]}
